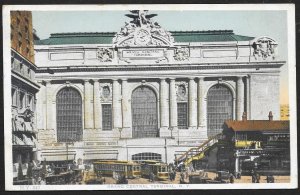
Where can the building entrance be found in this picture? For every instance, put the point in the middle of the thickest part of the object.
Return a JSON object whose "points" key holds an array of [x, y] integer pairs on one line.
{"points": [[144, 113]]}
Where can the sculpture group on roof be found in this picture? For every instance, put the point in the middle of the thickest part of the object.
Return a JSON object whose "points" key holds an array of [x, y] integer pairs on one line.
{"points": [[141, 19]]}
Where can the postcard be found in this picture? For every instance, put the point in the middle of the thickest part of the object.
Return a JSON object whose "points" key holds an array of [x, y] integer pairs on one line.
{"points": [[146, 97]]}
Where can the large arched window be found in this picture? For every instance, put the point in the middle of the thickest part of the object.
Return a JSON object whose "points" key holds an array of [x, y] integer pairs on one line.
{"points": [[219, 108], [69, 115], [144, 113]]}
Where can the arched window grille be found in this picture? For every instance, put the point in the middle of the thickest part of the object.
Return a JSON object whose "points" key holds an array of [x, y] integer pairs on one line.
{"points": [[69, 115], [219, 108], [146, 156], [144, 113]]}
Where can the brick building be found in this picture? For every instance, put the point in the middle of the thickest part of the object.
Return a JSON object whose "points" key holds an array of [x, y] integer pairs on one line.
{"points": [[23, 90]]}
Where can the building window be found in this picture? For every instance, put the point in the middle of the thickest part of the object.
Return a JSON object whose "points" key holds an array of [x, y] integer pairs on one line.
{"points": [[182, 112], [106, 117], [144, 113], [219, 108], [21, 68], [28, 72], [14, 97], [21, 100], [146, 156], [69, 115], [30, 101]]}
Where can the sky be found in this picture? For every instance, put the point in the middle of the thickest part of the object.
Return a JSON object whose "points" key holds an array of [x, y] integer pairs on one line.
{"points": [[248, 23]]}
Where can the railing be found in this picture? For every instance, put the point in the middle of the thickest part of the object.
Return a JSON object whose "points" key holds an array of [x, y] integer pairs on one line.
{"points": [[198, 150]]}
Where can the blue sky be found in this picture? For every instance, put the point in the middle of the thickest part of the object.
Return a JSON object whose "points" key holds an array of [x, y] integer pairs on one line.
{"points": [[248, 23]]}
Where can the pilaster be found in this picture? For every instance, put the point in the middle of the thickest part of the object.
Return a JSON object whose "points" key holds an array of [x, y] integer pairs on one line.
{"points": [[192, 104], [173, 104], [240, 98], [97, 106], [117, 115]]}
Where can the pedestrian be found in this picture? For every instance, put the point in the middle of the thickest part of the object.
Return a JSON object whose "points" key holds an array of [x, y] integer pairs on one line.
{"points": [[152, 176], [182, 177], [257, 178], [271, 179], [171, 175], [174, 174], [253, 177], [231, 178]]}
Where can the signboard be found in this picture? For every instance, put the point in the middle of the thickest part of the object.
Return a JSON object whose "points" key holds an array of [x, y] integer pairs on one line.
{"points": [[142, 54]]}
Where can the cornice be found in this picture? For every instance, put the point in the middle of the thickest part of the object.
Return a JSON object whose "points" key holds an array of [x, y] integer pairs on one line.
{"points": [[175, 67]]}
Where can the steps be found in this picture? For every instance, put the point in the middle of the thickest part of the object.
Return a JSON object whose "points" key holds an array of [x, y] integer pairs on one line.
{"points": [[198, 153]]}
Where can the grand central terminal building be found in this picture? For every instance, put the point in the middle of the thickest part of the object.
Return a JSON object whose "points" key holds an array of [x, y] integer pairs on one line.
{"points": [[145, 93]]}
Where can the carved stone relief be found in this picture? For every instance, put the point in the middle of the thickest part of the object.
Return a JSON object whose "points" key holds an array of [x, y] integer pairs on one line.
{"points": [[105, 54], [181, 54], [182, 91], [142, 31], [264, 48], [105, 92]]}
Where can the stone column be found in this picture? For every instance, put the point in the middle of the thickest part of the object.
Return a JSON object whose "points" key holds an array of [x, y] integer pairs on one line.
{"points": [[164, 108], [173, 104], [192, 104], [97, 106], [239, 98], [248, 98], [49, 111], [126, 114], [202, 108], [117, 115], [88, 108]]}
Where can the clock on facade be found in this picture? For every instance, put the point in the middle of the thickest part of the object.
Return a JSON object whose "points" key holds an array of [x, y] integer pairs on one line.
{"points": [[142, 36]]}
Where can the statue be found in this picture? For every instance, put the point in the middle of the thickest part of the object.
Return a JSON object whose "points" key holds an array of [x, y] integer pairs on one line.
{"points": [[142, 31], [140, 17]]}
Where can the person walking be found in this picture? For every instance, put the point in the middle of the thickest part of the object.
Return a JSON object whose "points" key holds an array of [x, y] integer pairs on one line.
{"points": [[231, 178]]}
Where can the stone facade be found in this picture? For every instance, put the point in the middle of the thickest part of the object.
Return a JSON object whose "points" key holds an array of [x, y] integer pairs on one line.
{"points": [[144, 55]]}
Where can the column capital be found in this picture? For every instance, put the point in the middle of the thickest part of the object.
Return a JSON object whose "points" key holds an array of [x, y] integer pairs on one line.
{"points": [[115, 80], [200, 78], [47, 82], [172, 79], [86, 80], [95, 80], [240, 77], [191, 78], [162, 79], [124, 79]]}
